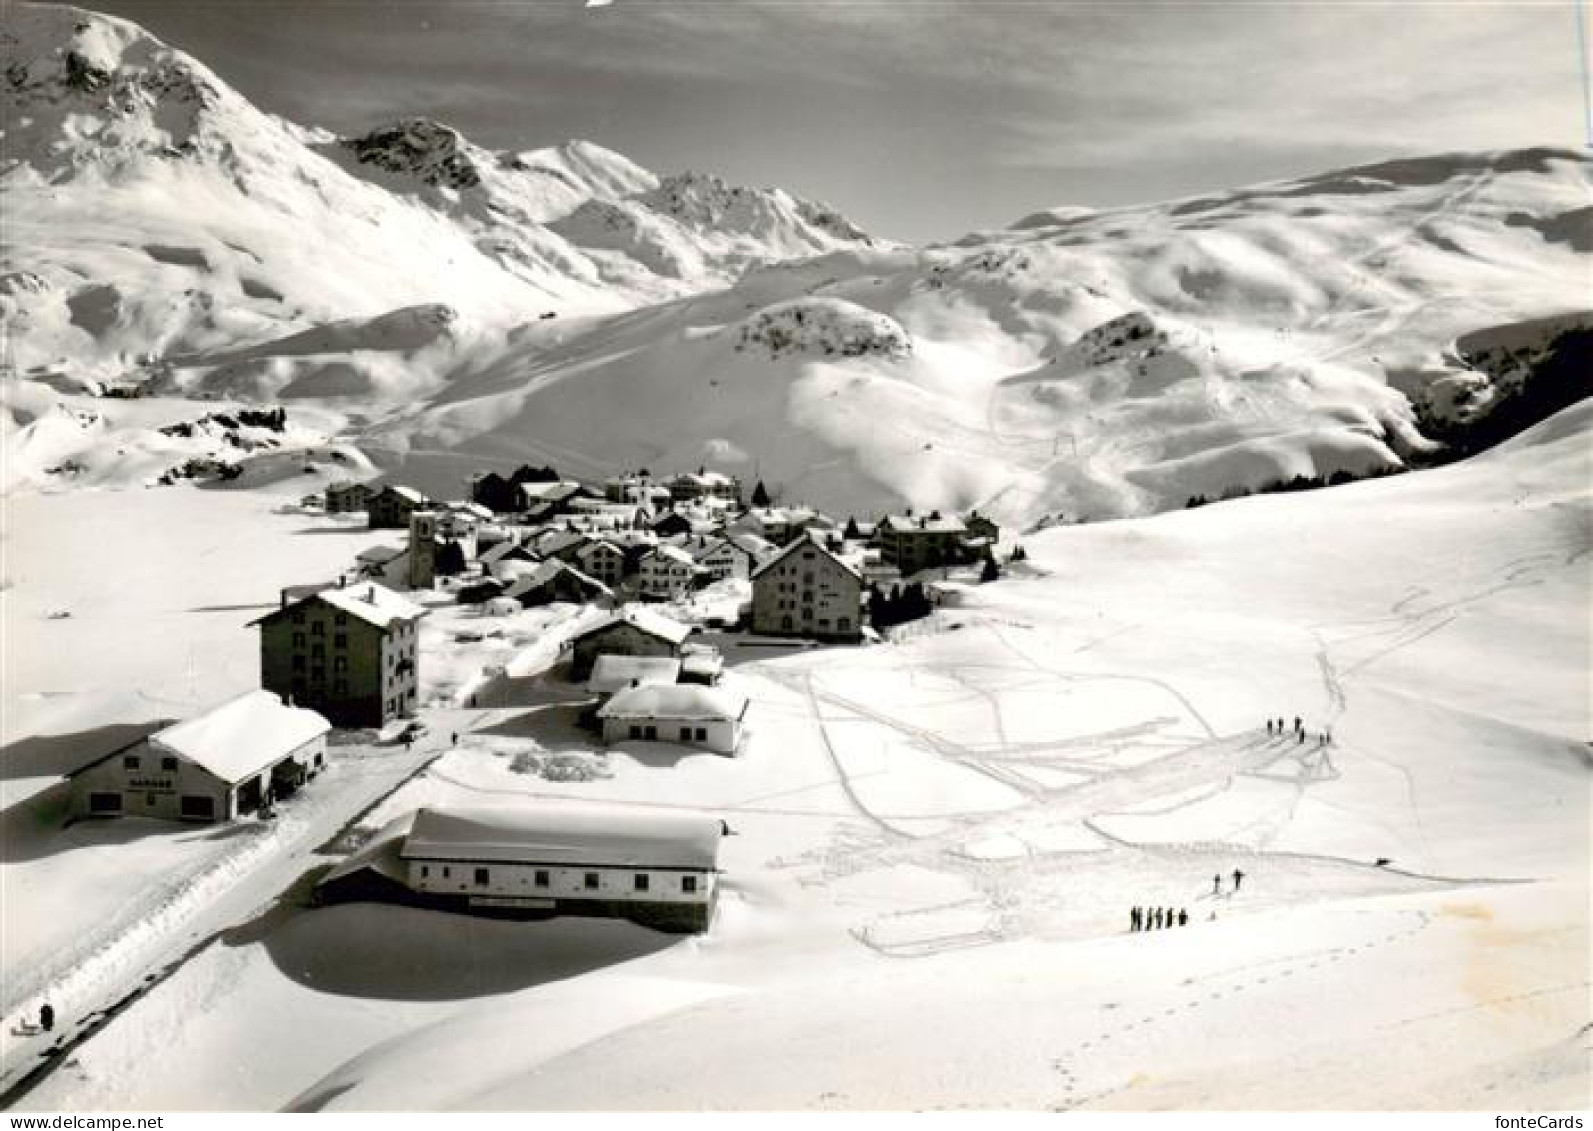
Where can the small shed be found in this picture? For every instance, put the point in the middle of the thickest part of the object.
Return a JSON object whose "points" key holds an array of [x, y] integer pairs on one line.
{"points": [[689, 714]]}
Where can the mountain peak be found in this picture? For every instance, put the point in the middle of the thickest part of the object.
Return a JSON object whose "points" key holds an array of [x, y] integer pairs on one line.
{"points": [[423, 148]]}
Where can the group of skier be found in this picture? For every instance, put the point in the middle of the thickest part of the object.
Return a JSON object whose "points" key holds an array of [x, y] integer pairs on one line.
{"points": [[1155, 918], [1279, 728]]}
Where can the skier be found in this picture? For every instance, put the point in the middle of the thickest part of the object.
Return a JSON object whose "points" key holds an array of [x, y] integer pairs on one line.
{"points": [[1238, 878], [1133, 919], [1156, 917], [1300, 736], [1183, 917], [453, 739], [46, 1017], [1216, 884], [1269, 728], [1299, 727], [1167, 917]]}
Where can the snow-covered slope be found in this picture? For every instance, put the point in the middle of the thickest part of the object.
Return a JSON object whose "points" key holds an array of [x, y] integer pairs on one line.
{"points": [[954, 825], [1095, 364]]}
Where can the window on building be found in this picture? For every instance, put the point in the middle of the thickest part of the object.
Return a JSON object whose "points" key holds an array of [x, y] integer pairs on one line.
{"points": [[298, 640], [685, 734], [425, 871], [169, 765], [130, 761], [540, 879], [298, 663], [340, 663], [590, 881], [636, 730], [446, 873], [340, 686], [702, 734], [483, 876], [340, 640], [318, 650], [844, 624], [317, 628], [642, 880], [688, 884], [298, 616], [650, 732], [341, 618]]}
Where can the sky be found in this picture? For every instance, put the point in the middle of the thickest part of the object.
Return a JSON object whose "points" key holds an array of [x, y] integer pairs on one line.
{"points": [[920, 119]]}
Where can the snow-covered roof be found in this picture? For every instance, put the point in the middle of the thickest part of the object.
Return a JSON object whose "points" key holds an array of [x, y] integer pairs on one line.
{"points": [[380, 555], [567, 835], [908, 524], [675, 701], [549, 492], [615, 673], [654, 624], [372, 603], [704, 662], [807, 541], [674, 554], [408, 493], [242, 736], [595, 545], [380, 853], [500, 550], [546, 572]]}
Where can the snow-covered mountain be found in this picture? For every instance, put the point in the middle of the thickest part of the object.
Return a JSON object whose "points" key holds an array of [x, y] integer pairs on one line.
{"points": [[1092, 364], [457, 307], [153, 213]]}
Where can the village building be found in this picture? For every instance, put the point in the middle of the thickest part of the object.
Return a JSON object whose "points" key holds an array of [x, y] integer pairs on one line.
{"points": [[346, 497], [783, 525], [349, 652], [495, 557], [704, 485], [806, 590], [390, 507], [658, 868], [562, 544], [924, 542], [616, 673], [758, 548], [639, 488], [501, 493], [557, 581], [667, 572], [631, 631], [385, 565], [720, 558], [603, 560], [701, 663], [540, 502], [672, 524], [231, 760], [709, 718]]}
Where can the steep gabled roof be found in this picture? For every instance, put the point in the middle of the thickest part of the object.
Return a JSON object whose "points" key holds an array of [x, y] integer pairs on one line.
{"points": [[648, 621], [804, 542]]}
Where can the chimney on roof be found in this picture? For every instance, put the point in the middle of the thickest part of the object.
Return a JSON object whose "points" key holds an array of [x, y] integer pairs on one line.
{"points": [[284, 599], [342, 580]]}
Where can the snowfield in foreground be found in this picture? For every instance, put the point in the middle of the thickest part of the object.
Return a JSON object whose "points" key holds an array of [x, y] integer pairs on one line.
{"points": [[938, 841]]}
